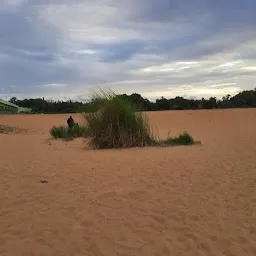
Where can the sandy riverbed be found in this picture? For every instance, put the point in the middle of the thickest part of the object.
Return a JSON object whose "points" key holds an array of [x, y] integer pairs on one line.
{"points": [[196, 200]]}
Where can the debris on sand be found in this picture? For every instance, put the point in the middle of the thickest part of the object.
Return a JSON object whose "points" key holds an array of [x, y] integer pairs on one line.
{"points": [[5, 129]]}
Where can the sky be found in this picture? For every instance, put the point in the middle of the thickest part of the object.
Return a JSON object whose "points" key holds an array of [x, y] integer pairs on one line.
{"points": [[61, 49]]}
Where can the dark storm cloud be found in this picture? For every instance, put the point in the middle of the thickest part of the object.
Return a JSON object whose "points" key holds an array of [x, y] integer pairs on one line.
{"points": [[202, 22], [22, 54], [120, 51], [37, 51], [219, 11], [27, 76], [23, 29], [30, 46]]}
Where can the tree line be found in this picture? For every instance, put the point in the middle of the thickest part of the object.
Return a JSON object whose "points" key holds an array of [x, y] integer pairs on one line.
{"points": [[244, 99]]}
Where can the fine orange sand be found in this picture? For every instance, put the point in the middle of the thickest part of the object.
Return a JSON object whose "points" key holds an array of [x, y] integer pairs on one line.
{"points": [[194, 200]]}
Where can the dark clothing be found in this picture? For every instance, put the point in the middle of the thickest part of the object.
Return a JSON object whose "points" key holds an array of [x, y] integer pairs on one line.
{"points": [[70, 122]]}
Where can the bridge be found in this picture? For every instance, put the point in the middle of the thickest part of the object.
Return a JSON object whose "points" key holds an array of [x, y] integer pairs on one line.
{"points": [[7, 107]]}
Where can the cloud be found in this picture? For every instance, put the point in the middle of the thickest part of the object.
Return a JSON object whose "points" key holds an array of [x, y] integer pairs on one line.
{"points": [[63, 48]]}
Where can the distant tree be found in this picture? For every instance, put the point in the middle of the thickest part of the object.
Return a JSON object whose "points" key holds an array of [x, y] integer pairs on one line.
{"points": [[13, 100], [244, 99], [209, 104], [162, 104]]}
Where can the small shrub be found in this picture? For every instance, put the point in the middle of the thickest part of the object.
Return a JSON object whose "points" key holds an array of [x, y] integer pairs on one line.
{"points": [[182, 139], [64, 132], [58, 132]]}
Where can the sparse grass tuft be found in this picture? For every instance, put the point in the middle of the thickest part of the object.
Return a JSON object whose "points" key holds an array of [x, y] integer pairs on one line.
{"points": [[182, 139], [66, 133]]}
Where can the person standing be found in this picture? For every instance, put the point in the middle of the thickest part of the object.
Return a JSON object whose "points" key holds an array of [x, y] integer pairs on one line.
{"points": [[70, 122]]}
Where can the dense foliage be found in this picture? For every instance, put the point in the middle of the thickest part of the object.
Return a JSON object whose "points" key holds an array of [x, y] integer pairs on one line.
{"points": [[245, 99]]}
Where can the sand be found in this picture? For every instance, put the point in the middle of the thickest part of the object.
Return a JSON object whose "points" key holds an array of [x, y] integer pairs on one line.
{"points": [[189, 200]]}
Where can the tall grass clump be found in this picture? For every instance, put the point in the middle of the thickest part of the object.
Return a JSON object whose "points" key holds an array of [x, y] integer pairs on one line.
{"points": [[64, 132], [116, 123]]}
